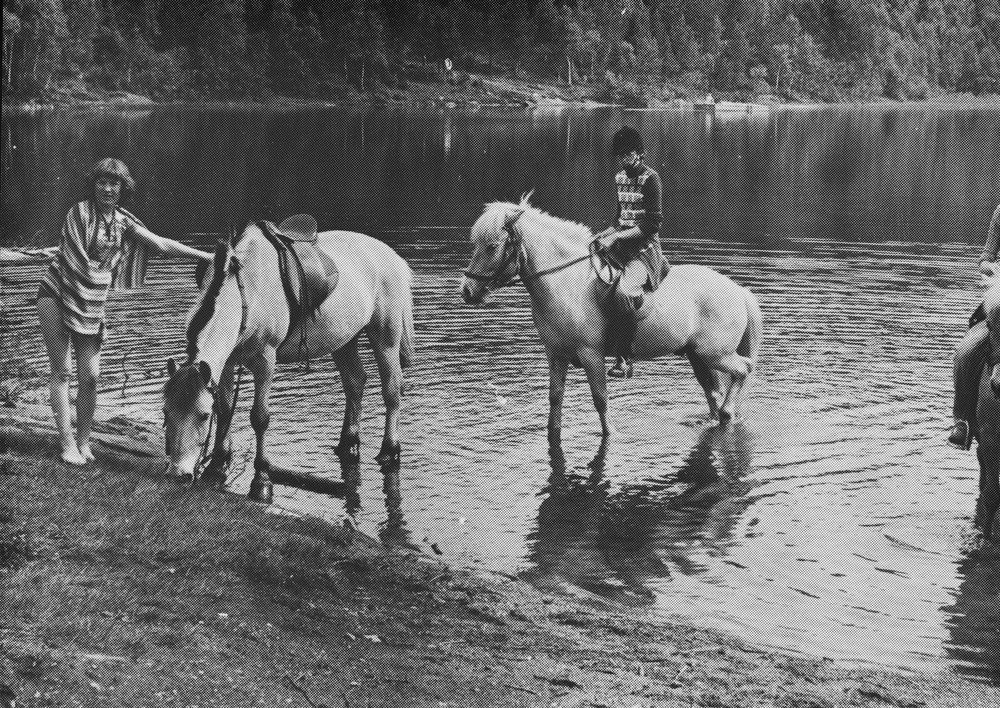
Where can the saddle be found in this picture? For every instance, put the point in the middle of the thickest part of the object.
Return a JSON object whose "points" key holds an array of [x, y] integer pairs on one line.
{"points": [[308, 275], [617, 304]]}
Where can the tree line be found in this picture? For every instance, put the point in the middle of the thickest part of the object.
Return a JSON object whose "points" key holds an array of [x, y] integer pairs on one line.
{"points": [[625, 50]]}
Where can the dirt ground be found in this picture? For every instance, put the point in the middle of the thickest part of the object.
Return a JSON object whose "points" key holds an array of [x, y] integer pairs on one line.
{"points": [[119, 588]]}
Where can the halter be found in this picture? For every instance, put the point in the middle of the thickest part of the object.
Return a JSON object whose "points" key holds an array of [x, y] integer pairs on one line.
{"points": [[513, 247]]}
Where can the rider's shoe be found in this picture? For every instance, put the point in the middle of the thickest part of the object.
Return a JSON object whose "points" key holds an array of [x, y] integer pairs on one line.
{"points": [[961, 435]]}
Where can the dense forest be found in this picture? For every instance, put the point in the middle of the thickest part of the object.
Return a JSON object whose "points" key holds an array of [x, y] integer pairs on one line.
{"points": [[624, 50]]}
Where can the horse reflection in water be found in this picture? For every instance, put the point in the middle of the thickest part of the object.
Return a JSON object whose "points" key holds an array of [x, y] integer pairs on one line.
{"points": [[973, 620], [615, 541], [696, 312], [245, 315]]}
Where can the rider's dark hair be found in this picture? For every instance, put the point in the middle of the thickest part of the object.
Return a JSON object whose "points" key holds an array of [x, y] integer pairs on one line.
{"points": [[626, 140]]}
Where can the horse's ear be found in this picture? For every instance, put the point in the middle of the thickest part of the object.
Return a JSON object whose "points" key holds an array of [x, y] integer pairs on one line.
{"points": [[171, 366], [206, 372], [512, 216]]}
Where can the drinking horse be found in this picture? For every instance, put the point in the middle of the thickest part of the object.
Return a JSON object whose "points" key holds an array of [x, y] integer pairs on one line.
{"points": [[696, 311], [249, 313], [988, 414]]}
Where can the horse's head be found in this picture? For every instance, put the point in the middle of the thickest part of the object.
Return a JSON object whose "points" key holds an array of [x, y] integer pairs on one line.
{"points": [[188, 403], [496, 251]]}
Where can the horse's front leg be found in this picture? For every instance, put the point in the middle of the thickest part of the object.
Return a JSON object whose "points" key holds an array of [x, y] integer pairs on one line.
{"points": [[352, 378], [222, 451], [557, 387], [262, 366], [593, 363]]}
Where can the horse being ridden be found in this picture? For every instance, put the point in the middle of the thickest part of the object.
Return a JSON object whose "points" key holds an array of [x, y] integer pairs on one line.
{"points": [[696, 311], [243, 316], [987, 423]]}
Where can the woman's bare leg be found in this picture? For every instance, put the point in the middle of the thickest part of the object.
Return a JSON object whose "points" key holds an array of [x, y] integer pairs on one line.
{"points": [[88, 371], [57, 343]]}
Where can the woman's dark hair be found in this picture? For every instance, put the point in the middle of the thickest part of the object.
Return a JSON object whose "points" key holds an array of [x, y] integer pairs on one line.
{"points": [[625, 141], [115, 169]]}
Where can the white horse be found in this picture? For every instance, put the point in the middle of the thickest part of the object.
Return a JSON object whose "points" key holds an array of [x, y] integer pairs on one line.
{"points": [[696, 311], [244, 316]]}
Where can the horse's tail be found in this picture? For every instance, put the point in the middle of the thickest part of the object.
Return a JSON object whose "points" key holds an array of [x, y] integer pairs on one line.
{"points": [[749, 345], [406, 344]]}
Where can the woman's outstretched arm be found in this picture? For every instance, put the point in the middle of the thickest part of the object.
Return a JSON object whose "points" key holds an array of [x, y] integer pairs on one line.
{"points": [[167, 246]]}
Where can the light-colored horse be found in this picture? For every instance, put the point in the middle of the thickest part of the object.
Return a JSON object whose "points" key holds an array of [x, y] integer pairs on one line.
{"points": [[988, 414], [243, 317], [696, 311]]}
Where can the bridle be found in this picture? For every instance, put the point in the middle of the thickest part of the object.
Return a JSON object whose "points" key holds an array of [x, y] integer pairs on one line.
{"points": [[235, 268], [510, 255], [513, 253]]}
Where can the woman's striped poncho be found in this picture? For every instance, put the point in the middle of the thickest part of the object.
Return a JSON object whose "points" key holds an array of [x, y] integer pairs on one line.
{"points": [[94, 255]]}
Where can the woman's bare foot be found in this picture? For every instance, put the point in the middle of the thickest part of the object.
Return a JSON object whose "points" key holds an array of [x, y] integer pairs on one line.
{"points": [[86, 452], [72, 456]]}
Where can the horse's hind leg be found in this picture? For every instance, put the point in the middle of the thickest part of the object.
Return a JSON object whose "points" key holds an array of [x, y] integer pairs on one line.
{"points": [[261, 489], [739, 367], [353, 378], [391, 372], [710, 382]]}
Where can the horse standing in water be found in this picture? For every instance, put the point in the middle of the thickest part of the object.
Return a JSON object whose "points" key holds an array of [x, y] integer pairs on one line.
{"points": [[988, 414], [247, 314], [696, 311]]}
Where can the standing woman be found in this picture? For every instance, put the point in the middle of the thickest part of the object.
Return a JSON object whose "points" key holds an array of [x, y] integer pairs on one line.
{"points": [[101, 245]]}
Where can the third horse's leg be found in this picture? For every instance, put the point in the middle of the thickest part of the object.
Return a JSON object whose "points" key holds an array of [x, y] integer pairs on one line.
{"points": [[352, 377], [739, 367], [260, 416]]}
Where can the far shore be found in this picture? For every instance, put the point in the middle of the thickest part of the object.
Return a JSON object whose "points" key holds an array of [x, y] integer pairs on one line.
{"points": [[457, 90]]}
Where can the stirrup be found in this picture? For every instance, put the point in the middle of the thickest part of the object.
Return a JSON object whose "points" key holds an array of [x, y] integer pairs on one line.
{"points": [[961, 435]]}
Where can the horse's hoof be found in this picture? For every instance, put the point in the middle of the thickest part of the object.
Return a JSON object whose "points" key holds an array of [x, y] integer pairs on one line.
{"points": [[389, 455], [348, 450], [179, 479], [261, 491]]}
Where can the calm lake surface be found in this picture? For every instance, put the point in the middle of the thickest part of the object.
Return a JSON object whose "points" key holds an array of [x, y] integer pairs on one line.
{"points": [[832, 520]]}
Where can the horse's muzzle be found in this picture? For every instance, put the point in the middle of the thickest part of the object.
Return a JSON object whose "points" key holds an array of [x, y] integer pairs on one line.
{"points": [[472, 293]]}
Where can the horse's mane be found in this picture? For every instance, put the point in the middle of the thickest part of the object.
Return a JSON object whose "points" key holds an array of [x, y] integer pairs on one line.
{"points": [[205, 308], [497, 213]]}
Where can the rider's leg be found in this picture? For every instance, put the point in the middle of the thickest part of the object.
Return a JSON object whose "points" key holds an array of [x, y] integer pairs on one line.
{"points": [[970, 356], [630, 292]]}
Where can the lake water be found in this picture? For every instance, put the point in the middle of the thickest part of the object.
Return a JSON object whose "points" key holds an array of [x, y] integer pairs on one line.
{"points": [[833, 520]]}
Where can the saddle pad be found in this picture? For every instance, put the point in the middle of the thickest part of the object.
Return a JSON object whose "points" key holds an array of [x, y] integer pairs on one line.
{"points": [[319, 273]]}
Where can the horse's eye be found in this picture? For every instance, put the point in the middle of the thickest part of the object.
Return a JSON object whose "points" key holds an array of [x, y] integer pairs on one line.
{"points": [[202, 417]]}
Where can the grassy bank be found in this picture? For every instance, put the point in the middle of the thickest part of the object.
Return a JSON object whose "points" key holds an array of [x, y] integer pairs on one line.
{"points": [[119, 589]]}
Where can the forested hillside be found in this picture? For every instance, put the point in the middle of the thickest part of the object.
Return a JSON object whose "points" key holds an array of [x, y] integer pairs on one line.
{"points": [[620, 49]]}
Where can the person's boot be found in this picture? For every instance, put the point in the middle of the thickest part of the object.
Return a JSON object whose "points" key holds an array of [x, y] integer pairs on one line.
{"points": [[961, 435]]}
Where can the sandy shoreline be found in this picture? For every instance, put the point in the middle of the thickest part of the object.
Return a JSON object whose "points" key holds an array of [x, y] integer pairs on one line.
{"points": [[163, 601]]}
